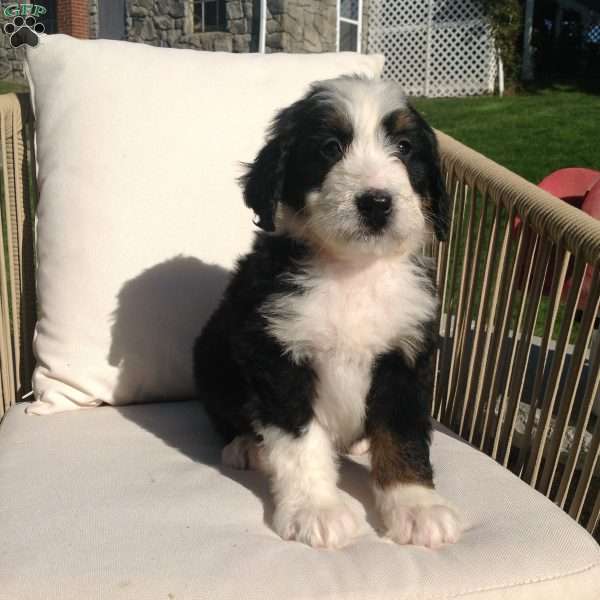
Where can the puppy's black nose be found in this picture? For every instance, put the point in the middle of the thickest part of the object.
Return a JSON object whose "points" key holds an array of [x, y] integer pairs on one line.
{"points": [[374, 201], [374, 207]]}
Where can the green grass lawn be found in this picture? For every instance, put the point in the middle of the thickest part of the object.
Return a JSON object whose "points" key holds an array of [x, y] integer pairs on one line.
{"points": [[6, 87], [531, 134]]}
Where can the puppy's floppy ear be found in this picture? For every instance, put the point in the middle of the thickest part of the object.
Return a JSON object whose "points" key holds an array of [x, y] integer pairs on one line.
{"points": [[264, 180], [437, 193], [439, 197]]}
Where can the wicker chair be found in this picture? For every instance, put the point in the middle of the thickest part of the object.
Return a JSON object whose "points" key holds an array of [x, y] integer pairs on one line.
{"points": [[518, 369]]}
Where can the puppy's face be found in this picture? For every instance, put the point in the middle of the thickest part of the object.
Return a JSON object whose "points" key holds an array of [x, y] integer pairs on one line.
{"points": [[352, 168]]}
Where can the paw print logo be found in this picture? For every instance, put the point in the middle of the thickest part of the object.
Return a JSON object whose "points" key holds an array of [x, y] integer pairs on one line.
{"points": [[23, 31]]}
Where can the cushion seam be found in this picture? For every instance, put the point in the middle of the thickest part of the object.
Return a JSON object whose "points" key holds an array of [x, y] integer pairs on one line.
{"points": [[517, 584]]}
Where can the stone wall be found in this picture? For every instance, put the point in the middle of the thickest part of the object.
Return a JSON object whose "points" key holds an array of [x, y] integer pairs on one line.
{"points": [[301, 25], [292, 25], [11, 61], [158, 22], [241, 30]]}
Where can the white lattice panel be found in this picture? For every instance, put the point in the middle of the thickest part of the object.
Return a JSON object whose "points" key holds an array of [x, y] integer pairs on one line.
{"points": [[434, 47]]}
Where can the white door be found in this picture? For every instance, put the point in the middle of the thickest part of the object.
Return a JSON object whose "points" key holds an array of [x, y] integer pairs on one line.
{"points": [[349, 25]]}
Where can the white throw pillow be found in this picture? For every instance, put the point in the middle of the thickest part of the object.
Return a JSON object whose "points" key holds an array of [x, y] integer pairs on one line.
{"points": [[140, 215]]}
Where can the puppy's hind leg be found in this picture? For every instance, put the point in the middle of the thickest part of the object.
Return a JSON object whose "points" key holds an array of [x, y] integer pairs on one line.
{"points": [[359, 447], [243, 452]]}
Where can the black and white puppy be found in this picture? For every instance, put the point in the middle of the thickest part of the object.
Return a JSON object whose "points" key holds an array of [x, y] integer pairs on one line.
{"points": [[326, 332]]}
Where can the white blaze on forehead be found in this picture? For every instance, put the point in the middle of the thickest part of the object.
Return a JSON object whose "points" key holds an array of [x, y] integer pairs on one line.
{"points": [[366, 103], [370, 157]]}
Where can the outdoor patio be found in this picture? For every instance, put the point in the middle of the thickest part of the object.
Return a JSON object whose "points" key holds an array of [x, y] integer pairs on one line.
{"points": [[117, 501]]}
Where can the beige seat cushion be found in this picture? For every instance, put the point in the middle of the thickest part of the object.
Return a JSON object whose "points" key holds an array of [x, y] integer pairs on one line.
{"points": [[132, 503]]}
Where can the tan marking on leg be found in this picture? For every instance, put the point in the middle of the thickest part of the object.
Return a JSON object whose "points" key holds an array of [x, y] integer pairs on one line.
{"points": [[393, 461]]}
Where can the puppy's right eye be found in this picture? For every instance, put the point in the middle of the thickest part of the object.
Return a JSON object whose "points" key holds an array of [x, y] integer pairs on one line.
{"points": [[331, 149], [404, 148]]}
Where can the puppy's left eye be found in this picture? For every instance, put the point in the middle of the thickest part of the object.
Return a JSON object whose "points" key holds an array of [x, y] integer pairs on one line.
{"points": [[404, 148], [331, 149]]}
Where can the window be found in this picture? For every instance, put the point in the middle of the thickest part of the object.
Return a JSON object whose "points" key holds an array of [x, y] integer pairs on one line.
{"points": [[49, 19], [349, 25], [209, 15]]}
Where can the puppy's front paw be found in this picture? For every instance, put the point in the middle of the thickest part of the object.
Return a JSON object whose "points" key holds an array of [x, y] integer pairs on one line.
{"points": [[418, 515], [430, 526], [319, 525]]}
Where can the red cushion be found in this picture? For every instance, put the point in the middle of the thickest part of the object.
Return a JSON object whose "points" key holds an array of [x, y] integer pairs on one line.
{"points": [[591, 203], [570, 184]]}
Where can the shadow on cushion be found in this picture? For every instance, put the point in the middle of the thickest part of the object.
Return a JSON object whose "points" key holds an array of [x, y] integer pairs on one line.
{"points": [[200, 442], [159, 315]]}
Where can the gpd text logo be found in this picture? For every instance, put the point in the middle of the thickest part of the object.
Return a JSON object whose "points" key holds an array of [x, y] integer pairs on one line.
{"points": [[24, 10], [23, 28]]}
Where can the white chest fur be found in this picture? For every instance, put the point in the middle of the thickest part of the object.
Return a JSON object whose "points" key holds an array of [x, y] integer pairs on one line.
{"points": [[343, 318]]}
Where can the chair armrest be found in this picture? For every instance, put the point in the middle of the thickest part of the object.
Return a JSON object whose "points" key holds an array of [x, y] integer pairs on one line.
{"points": [[17, 282], [518, 371]]}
